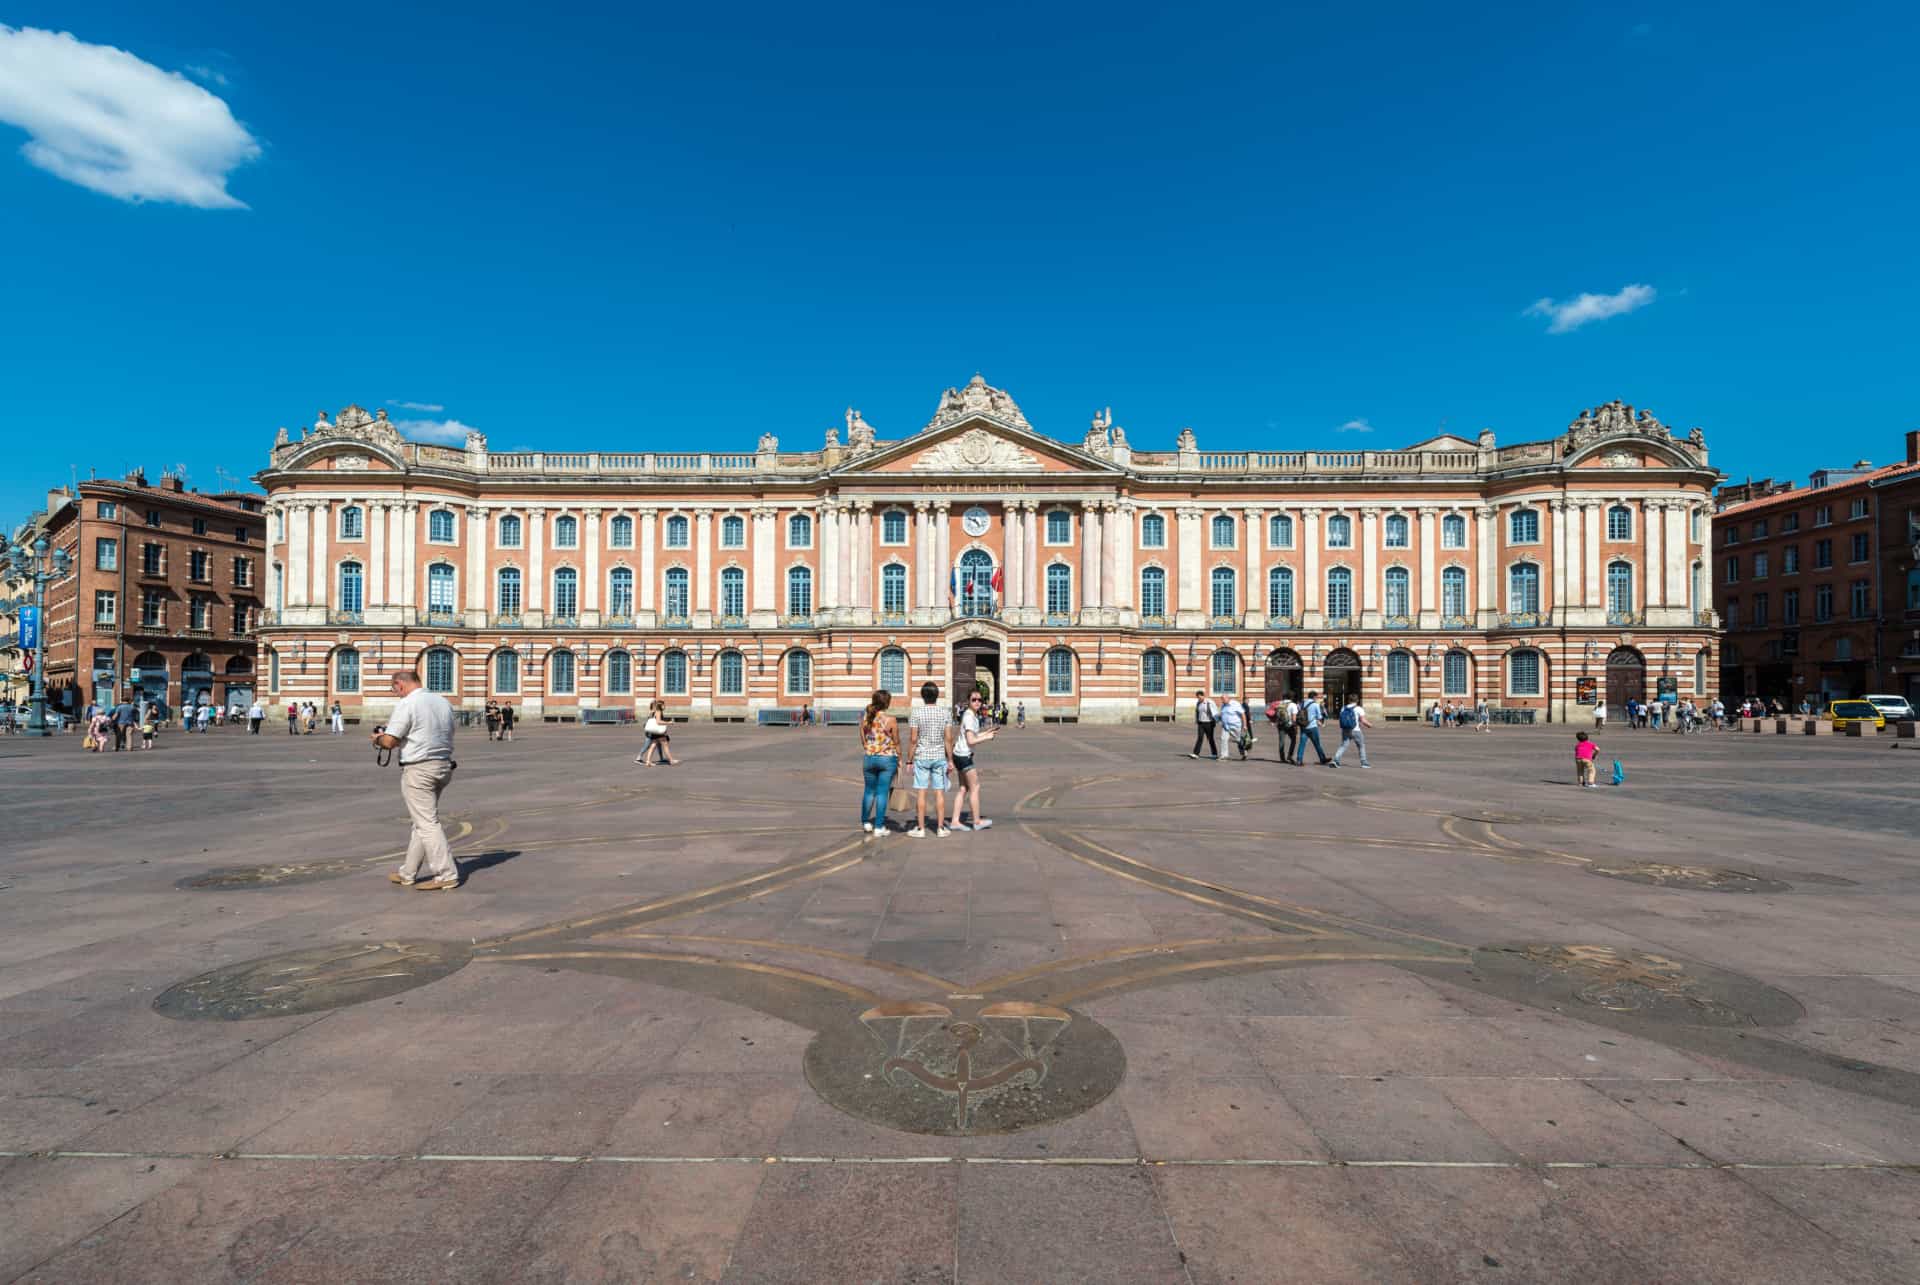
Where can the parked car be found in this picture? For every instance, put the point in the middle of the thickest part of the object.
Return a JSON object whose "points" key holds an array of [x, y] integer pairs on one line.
{"points": [[1892, 708], [1845, 713]]}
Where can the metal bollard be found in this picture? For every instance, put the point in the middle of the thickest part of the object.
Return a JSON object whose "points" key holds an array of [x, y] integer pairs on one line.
{"points": [[1904, 729], [1856, 728], [1756, 727], [1779, 727], [1811, 727]]}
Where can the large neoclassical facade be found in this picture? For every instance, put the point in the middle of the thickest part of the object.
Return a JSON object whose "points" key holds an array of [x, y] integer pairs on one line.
{"points": [[1087, 580]]}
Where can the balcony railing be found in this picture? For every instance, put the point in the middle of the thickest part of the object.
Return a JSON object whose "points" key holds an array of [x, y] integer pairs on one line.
{"points": [[619, 620], [890, 618], [1283, 622], [734, 621], [1456, 622], [1223, 622], [1155, 620], [1342, 622], [435, 616], [504, 620], [1396, 622], [797, 621], [346, 617], [564, 622], [1626, 617], [676, 622], [1058, 618], [1525, 619]]}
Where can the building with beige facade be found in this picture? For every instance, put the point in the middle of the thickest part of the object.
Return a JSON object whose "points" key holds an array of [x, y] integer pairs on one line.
{"points": [[1086, 580]]}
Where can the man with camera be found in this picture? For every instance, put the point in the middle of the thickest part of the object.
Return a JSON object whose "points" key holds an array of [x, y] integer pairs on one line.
{"points": [[421, 728]]}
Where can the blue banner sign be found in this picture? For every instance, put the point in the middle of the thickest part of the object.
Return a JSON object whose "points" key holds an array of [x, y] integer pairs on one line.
{"points": [[29, 628]]}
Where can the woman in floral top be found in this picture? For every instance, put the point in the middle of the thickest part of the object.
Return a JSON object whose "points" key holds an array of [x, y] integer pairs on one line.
{"points": [[880, 739]]}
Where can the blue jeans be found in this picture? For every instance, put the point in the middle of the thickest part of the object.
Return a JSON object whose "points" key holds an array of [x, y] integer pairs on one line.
{"points": [[1300, 751], [878, 770]]}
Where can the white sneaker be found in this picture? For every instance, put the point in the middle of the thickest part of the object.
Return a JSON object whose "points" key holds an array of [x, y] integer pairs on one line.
{"points": [[982, 825], [867, 826], [916, 833], [942, 833]]}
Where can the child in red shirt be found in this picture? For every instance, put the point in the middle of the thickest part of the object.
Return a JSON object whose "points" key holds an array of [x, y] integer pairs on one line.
{"points": [[1584, 751]]}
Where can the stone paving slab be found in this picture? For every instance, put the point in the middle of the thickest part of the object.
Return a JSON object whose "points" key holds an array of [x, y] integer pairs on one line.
{"points": [[1401, 1024]]}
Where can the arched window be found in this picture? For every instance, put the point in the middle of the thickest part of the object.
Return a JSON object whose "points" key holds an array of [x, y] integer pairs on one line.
{"points": [[1059, 590], [1279, 532], [893, 589], [346, 670], [560, 673], [1453, 532], [1523, 588], [893, 671], [1280, 593], [799, 673], [616, 670], [1399, 673], [566, 532], [1398, 536], [1619, 586], [566, 593], [1339, 532], [1221, 595], [1222, 531], [1153, 591], [620, 591], [1226, 673], [1523, 526], [893, 526], [353, 523], [678, 590], [509, 532], [273, 671], [677, 532], [1059, 526], [976, 583], [1619, 523], [1700, 672], [733, 593], [279, 587], [1399, 591], [732, 669], [799, 531], [1454, 674], [620, 533], [440, 526], [1339, 594], [440, 669], [507, 600], [800, 592], [1523, 672], [1699, 580], [1153, 531], [351, 596], [1453, 592], [733, 532], [1059, 672], [506, 672], [673, 673], [1153, 673]]}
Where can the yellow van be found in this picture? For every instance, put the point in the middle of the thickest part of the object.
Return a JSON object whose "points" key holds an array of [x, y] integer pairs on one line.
{"points": [[1844, 713]]}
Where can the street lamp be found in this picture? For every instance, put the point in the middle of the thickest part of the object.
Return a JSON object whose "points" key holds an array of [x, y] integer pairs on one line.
{"points": [[33, 564]]}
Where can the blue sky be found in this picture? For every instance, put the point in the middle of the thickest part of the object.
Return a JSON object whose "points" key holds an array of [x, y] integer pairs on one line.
{"points": [[619, 229]]}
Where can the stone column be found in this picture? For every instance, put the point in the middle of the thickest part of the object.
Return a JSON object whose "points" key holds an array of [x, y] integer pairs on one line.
{"points": [[827, 549], [765, 600], [1559, 599], [1590, 587], [1089, 554], [409, 552], [1429, 605], [1112, 536], [922, 555], [1650, 572], [943, 550], [1030, 550], [590, 591], [703, 567], [1252, 591], [1572, 591], [1189, 606], [1307, 600], [376, 577], [1675, 546], [299, 554], [536, 531], [478, 538], [649, 520], [1121, 533], [322, 569], [849, 539], [1484, 535], [1012, 558], [1369, 568], [863, 561]]}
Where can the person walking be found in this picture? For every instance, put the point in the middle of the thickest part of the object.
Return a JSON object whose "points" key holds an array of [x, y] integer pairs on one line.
{"points": [[338, 720], [506, 719], [966, 768], [206, 720], [313, 716], [1205, 715], [256, 715], [123, 721], [1600, 714], [1233, 726], [1584, 752], [1310, 719], [880, 762], [1483, 715], [931, 728], [293, 718], [99, 730], [421, 728], [147, 729], [1020, 716], [493, 720], [1353, 730], [659, 751]]}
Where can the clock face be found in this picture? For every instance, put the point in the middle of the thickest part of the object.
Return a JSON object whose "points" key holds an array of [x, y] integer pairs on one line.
{"points": [[975, 521]]}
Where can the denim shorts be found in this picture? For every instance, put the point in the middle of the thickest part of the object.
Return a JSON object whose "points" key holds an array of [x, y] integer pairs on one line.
{"points": [[930, 776]]}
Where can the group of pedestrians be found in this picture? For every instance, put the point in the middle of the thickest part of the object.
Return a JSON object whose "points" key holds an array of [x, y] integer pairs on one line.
{"points": [[116, 725], [1478, 715], [500, 717], [1296, 724], [933, 742]]}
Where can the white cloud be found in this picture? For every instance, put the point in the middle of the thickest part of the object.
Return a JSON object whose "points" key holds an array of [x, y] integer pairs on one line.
{"points": [[111, 122], [450, 431], [1571, 314], [431, 408], [200, 71], [1355, 426]]}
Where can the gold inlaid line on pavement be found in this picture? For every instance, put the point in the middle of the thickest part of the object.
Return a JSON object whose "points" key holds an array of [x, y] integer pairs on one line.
{"points": [[1002, 982], [879, 965], [860, 993], [1226, 962]]}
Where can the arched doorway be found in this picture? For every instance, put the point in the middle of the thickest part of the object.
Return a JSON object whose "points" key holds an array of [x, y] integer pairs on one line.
{"points": [[976, 583], [976, 666], [1342, 674], [239, 683], [196, 680], [1626, 677], [1284, 675], [148, 677]]}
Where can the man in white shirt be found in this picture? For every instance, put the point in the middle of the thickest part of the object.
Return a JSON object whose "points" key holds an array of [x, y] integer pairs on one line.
{"points": [[1353, 725], [421, 728], [1310, 731]]}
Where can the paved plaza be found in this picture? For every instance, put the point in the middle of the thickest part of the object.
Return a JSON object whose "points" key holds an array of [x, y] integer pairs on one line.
{"points": [[1449, 1018]]}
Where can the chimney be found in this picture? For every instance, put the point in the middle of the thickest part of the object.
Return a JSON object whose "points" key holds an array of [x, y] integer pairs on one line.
{"points": [[173, 482], [1913, 446], [137, 477]]}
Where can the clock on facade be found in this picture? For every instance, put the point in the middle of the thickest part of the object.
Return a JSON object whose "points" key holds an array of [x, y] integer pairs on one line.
{"points": [[975, 521]]}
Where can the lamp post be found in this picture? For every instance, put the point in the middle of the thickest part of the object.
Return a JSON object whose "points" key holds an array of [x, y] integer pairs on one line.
{"points": [[37, 568]]}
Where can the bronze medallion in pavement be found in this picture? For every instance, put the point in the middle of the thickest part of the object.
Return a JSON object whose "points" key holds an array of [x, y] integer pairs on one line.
{"points": [[1655, 987], [964, 1067], [312, 981], [1697, 878]]}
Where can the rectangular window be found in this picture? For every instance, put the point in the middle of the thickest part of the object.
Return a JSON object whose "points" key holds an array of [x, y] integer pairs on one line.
{"points": [[107, 509], [1733, 571], [1860, 599], [106, 555], [1822, 554], [1790, 560], [1059, 672], [153, 517], [1153, 592], [197, 613], [153, 559], [243, 572], [198, 568], [1524, 671], [1823, 515], [103, 606], [1858, 509], [240, 618], [1759, 566], [153, 609], [1153, 531], [240, 534], [1760, 529], [1860, 546], [1733, 613], [1760, 611], [1059, 527], [1789, 522], [1790, 607], [893, 527], [199, 526], [1822, 604], [1731, 535]]}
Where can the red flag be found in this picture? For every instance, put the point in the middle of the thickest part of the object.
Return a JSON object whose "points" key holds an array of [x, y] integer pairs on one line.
{"points": [[996, 579]]}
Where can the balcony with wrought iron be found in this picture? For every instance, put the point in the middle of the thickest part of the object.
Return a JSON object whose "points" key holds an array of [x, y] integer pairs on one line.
{"points": [[1156, 620], [504, 620], [1341, 622], [1525, 620], [1057, 619], [1223, 622], [1626, 617], [618, 620], [335, 617], [1455, 622], [734, 621], [435, 616], [796, 621], [1396, 622], [563, 622], [890, 618], [676, 622], [1283, 622]]}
